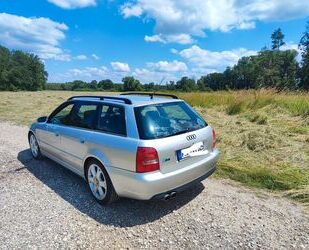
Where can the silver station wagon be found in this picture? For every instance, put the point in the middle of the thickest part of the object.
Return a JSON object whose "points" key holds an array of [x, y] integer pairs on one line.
{"points": [[135, 145]]}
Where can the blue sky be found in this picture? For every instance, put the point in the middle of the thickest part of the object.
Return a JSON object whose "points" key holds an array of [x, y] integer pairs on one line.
{"points": [[153, 40]]}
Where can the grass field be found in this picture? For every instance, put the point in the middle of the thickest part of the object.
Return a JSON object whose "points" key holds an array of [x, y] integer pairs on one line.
{"points": [[263, 136]]}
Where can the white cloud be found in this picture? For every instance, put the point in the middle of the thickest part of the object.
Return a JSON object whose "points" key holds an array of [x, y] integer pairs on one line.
{"points": [[41, 36], [292, 46], [174, 51], [192, 18], [129, 10], [174, 38], [164, 66], [147, 76], [73, 4], [202, 58], [154, 38], [120, 67], [289, 46], [81, 57], [88, 72], [161, 72], [85, 74], [95, 57]]}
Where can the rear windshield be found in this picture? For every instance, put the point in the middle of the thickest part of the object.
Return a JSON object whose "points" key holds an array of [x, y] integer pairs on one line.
{"points": [[166, 119]]}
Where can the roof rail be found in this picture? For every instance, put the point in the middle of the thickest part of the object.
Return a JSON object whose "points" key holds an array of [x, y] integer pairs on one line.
{"points": [[125, 100], [150, 94]]}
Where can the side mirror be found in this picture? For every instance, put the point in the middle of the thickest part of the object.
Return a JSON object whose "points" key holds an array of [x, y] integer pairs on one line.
{"points": [[42, 119]]}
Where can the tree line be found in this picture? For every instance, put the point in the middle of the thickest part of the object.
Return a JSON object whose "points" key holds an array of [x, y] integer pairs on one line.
{"points": [[270, 68], [21, 71]]}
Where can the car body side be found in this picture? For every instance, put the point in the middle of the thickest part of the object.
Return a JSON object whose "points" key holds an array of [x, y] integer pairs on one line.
{"points": [[72, 147]]}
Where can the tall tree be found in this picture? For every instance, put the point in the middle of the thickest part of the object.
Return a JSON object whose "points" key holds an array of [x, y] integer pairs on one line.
{"points": [[106, 84], [5, 55], [131, 84], [304, 47], [186, 84], [277, 39], [93, 84]]}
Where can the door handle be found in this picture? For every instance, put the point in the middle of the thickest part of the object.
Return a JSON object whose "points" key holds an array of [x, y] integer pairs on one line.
{"points": [[82, 141], [56, 134]]}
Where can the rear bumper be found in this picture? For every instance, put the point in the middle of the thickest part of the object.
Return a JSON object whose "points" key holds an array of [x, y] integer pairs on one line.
{"points": [[184, 187], [151, 185]]}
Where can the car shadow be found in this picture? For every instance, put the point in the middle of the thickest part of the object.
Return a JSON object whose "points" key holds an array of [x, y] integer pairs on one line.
{"points": [[122, 213]]}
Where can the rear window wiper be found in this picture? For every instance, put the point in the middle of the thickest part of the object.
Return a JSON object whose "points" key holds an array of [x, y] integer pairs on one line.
{"points": [[184, 131]]}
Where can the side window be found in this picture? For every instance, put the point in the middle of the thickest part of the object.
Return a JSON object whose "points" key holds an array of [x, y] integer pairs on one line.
{"points": [[62, 116], [83, 115], [112, 120]]}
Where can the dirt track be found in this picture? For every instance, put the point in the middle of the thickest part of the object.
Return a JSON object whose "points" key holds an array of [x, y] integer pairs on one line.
{"points": [[43, 205]]}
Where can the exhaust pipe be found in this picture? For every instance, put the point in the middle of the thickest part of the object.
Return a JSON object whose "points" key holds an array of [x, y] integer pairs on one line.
{"points": [[166, 197], [169, 196]]}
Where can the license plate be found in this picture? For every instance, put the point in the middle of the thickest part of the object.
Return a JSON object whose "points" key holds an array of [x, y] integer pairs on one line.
{"points": [[195, 150]]}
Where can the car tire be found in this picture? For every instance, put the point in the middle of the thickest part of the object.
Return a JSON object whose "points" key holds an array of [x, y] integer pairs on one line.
{"points": [[34, 147], [99, 183]]}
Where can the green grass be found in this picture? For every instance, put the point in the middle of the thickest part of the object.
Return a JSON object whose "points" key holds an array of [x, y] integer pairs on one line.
{"points": [[241, 101], [263, 136], [277, 178], [234, 108]]}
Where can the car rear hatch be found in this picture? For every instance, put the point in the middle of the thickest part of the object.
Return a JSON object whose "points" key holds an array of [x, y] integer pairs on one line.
{"points": [[180, 136], [183, 150]]}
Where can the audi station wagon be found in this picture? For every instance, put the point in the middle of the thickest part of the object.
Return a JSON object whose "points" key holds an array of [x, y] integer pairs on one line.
{"points": [[136, 145]]}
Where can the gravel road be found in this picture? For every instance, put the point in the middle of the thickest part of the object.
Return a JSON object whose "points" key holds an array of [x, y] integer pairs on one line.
{"points": [[43, 205]]}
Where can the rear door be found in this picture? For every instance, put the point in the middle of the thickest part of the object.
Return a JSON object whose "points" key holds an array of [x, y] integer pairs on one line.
{"points": [[111, 140]]}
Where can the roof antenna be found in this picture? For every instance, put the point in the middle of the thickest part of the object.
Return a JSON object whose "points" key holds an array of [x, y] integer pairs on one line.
{"points": [[154, 91]]}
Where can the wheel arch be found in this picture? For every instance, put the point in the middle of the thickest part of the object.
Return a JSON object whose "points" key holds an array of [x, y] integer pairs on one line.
{"points": [[29, 133], [88, 159]]}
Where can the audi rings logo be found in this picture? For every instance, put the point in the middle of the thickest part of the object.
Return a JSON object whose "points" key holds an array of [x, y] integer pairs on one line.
{"points": [[191, 137]]}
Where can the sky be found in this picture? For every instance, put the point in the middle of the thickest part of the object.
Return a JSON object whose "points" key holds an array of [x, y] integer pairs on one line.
{"points": [[152, 40]]}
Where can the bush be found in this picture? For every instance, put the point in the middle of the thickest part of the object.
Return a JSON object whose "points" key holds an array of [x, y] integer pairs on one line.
{"points": [[234, 108]]}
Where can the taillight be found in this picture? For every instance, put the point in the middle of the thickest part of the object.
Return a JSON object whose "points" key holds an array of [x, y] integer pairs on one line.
{"points": [[147, 160], [214, 138]]}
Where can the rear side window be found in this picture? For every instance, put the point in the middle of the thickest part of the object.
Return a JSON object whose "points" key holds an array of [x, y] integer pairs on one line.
{"points": [[112, 120], [166, 119]]}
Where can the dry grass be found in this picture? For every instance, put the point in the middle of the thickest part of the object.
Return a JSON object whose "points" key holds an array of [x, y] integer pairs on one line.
{"points": [[263, 136], [25, 107], [265, 148]]}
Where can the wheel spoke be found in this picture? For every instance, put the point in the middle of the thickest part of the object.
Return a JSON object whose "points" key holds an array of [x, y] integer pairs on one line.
{"points": [[102, 184], [93, 172], [101, 191], [95, 189], [99, 172]]}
